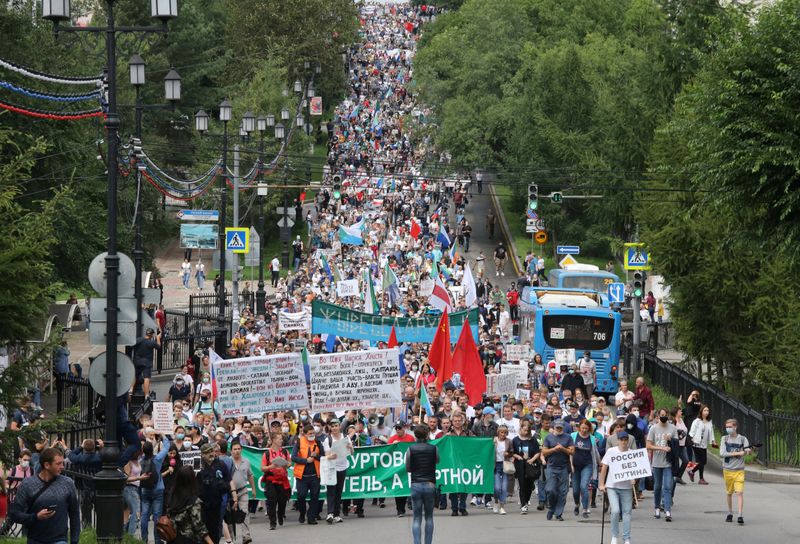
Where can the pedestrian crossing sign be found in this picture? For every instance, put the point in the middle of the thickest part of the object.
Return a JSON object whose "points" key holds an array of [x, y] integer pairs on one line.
{"points": [[237, 239], [637, 257]]}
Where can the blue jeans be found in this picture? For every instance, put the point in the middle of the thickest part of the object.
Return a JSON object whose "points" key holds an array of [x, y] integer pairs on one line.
{"points": [[422, 495], [580, 485], [557, 485], [620, 500], [663, 483], [500, 483], [152, 507], [131, 496], [540, 489], [186, 281]]}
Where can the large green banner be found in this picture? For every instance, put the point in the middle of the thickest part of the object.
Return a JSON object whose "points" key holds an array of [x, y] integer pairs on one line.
{"points": [[466, 465], [340, 321]]}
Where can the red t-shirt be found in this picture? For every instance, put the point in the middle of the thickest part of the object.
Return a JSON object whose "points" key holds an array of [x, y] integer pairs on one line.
{"points": [[405, 438]]}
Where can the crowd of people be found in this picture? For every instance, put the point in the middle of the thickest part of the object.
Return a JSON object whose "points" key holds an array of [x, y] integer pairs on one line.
{"points": [[382, 220]]}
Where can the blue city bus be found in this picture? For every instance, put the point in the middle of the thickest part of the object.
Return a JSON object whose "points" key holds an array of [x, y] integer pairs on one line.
{"points": [[577, 319]]}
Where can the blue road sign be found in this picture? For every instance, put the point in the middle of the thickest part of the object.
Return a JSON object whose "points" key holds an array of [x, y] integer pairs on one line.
{"points": [[637, 257], [568, 250], [198, 215], [531, 214], [237, 239], [616, 292]]}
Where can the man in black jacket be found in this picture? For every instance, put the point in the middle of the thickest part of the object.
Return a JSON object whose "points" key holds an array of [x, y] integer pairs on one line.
{"points": [[421, 461]]}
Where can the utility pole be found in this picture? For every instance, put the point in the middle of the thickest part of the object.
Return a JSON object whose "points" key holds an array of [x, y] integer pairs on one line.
{"points": [[235, 263]]}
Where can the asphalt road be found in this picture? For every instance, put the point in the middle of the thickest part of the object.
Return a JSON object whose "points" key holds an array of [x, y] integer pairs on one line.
{"points": [[770, 517]]}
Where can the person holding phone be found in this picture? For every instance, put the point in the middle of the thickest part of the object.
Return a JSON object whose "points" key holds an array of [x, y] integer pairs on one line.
{"points": [[47, 504]]}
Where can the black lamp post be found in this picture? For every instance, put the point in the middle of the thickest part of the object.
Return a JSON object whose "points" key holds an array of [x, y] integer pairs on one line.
{"points": [[172, 92], [261, 296], [201, 124], [110, 480]]}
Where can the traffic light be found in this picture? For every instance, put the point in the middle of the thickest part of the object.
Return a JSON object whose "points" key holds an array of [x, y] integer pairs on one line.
{"points": [[533, 196], [638, 283], [337, 186]]}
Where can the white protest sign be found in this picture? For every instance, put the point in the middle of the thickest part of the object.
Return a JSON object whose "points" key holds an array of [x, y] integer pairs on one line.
{"points": [[163, 422], [191, 458], [516, 352], [498, 385], [347, 288], [425, 288], [355, 379], [523, 395], [564, 357], [627, 465], [294, 321], [520, 371], [251, 386]]}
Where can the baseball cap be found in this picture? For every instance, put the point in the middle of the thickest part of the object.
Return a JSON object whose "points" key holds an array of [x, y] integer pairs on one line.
{"points": [[399, 425], [559, 423], [622, 435], [207, 448], [537, 411], [489, 410]]}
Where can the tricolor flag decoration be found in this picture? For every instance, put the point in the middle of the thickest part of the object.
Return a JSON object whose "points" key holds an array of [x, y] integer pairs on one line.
{"points": [[325, 266], [443, 238]]}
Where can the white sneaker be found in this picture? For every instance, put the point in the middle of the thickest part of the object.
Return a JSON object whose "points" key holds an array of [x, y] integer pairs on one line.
{"points": [[502, 511], [627, 542], [613, 540], [337, 519], [474, 501], [495, 509], [524, 509], [489, 504]]}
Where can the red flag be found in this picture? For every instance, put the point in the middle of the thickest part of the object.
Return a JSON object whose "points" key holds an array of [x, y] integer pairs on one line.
{"points": [[467, 362], [416, 230], [439, 356], [392, 339], [409, 27]]}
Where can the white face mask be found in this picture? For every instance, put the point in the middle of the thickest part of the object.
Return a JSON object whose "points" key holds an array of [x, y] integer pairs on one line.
{"points": [[24, 464]]}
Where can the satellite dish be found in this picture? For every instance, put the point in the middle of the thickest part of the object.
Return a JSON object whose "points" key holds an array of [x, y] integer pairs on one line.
{"points": [[125, 374], [125, 281]]}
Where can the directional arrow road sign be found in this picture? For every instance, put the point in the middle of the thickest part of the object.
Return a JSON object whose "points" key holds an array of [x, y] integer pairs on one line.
{"points": [[286, 222]]}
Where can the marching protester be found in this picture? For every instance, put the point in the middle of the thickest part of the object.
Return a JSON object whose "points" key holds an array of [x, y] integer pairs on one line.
{"points": [[47, 504], [557, 449], [306, 455], [185, 510], [215, 484], [276, 479], [659, 442], [526, 461], [620, 492], [702, 436], [243, 480], [338, 447]]}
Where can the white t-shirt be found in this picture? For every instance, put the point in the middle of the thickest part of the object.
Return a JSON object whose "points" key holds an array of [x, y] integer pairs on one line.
{"points": [[186, 268], [587, 369], [621, 484], [626, 396], [512, 424], [275, 264], [341, 462]]}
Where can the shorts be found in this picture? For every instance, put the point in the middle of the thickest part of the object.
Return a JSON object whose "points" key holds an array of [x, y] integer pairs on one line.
{"points": [[144, 371], [734, 481]]}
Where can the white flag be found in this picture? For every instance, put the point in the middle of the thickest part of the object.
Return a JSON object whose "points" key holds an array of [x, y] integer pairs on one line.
{"points": [[468, 287]]}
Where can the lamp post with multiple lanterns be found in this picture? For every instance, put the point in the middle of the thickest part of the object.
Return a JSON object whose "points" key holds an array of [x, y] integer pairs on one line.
{"points": [[110, 481]]}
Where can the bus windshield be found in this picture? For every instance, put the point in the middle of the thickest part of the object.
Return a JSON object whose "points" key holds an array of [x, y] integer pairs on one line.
{"points": [[580, 332], [591, 282]]}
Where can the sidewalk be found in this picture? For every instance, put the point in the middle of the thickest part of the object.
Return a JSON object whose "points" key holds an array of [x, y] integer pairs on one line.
{"points": [[758, 473]]}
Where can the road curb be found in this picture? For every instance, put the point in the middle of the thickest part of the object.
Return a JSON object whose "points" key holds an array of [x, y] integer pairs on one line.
{"points": [[506, 231], [761, 475]]}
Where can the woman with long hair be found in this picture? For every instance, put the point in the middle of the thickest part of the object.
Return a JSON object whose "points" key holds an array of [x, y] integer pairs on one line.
{"points": [[185, 509], [676, 416], [526, 452], [702, 435], [169, 470], [503, 451]]}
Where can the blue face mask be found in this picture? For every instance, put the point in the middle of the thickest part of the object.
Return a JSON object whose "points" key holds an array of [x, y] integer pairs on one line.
{"points": [[497, 406], [730, 430], [180, 436]]}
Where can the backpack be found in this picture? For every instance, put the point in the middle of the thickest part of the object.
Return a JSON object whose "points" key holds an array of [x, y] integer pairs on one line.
{"points": [[148, 466]]}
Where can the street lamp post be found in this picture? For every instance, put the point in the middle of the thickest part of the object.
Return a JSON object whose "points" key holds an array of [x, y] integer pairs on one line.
{"points": [[109, 481], [261, 295], [201, 125], [172, 92]]}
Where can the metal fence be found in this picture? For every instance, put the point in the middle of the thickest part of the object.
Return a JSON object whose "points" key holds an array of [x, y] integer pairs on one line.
{"points": [[205, 306], [782, 442], [76, 396], [176, 349]]}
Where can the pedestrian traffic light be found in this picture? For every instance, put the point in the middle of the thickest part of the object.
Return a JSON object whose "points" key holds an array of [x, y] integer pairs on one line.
{"points": [[638, 283], [337, 186], [533, 196]]}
